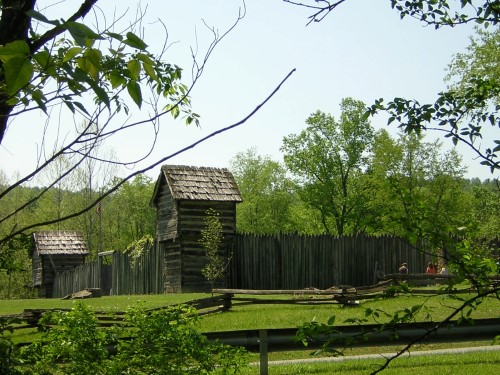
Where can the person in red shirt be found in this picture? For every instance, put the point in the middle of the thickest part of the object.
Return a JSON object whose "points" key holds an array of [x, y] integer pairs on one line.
{"points": [[430, 268]]}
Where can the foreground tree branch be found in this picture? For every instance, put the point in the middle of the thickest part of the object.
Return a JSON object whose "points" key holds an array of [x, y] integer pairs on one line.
{"points": [[437, 13], [116, 186]]}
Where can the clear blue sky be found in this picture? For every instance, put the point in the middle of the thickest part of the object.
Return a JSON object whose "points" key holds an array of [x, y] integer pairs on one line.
{"points": [[361, 50]]}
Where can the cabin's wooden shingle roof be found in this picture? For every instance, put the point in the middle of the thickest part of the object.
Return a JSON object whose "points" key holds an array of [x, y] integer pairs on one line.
{"points": [[59, 242], [198, 183]]}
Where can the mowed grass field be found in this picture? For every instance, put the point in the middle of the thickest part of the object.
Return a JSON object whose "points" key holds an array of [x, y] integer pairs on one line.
{"points": [[258, 316]]}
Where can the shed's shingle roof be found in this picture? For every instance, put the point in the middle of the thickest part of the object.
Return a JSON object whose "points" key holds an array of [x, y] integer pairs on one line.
{"points": [[199, 183], [59, 242]]}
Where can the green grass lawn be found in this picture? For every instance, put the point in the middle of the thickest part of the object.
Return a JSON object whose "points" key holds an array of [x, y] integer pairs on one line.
{"points": [[108, 303], [255, 316], [476, 363]]}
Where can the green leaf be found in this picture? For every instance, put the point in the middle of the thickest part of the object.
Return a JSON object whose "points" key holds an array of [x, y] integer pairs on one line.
{"points": [[90, 62], [100, 92], [45, 62], [81, 107], [116, 79], [331, 320], [115, 36], [69, 105], [17, 48], [148, 65], [79, 75], [40, 17], [134, 66], [72, 52], [135, 42], [40, 99], [150, 71], [145, 58], [134, 90], [81, 33], [18, 73]]}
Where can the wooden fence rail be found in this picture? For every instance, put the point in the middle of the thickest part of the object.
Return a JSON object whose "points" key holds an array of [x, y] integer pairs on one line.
{"points": [[270, 340], [29, 318]]}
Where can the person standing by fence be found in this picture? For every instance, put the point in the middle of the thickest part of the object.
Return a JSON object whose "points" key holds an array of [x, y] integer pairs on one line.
{"points": [[430, 268], [403, 269]]}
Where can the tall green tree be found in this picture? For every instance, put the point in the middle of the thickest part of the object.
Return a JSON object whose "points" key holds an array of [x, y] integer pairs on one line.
{"points": [[267, 194], [126, 215], [328, 159], [480, 60], [485, 209], [415, 185]]}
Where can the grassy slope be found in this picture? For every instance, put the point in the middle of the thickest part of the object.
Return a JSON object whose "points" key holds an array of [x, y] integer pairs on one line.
{"points": [[246, 316], [255, 316], [111, 303], [291, 316]]}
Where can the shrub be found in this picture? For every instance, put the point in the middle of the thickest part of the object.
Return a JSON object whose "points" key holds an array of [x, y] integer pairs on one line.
{"points": [[160, 342], [70, 340], [166, 342], [8, 352]]}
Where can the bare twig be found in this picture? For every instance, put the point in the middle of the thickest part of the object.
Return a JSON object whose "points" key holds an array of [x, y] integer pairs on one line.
{"points": [[151, 166]]}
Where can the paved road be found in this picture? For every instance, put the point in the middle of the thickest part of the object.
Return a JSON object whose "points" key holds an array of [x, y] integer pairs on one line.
{"points": [[382, 355]]}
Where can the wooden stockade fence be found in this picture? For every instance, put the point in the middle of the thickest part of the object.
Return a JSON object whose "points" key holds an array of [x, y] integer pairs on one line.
{"points": [[88, 275], [142, 275], [296, 261], [260, 262], [125, 275]]}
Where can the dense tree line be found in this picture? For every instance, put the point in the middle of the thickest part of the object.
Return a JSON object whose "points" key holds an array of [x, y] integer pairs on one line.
{"points": [[403, 182]]}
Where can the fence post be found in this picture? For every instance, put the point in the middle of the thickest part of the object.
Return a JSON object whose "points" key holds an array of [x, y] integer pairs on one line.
{"points": [[228, 303], [263, 347]]}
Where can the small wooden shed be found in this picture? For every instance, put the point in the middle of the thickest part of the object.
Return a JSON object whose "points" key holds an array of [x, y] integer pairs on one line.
{"points": [[182, 196], [53, 252]]}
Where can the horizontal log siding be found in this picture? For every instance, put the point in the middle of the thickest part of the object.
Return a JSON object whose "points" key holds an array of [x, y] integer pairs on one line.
{"points": [[172, 270], [191, 218], [296, 262], [166, 215]]}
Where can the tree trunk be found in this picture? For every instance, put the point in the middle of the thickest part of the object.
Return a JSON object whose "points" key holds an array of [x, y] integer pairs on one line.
{"points": [[14, 25]]}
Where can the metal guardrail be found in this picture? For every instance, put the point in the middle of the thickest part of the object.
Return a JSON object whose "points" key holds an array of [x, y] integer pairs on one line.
{"points": [[268, 340]]}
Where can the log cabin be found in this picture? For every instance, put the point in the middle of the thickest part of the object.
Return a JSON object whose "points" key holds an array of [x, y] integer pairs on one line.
{"points": [[53, 252], [182, 196]]}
